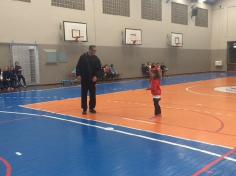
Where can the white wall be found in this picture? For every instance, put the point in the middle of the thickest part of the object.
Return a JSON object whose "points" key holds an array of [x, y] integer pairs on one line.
{"points": [[109, 27], [223, 30], [39, 22], [224, 24]]}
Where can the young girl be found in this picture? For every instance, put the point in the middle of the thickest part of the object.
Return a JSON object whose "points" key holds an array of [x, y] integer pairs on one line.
{"points": [[156, 90]]}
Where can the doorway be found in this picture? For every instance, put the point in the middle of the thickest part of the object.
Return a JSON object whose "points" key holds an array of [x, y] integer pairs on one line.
{"points": [[231, 56], [27, 56]]}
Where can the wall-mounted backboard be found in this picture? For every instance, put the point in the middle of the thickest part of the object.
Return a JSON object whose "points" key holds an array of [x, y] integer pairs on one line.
{"points": [[133, 36], [75, 31], [176, 39]]}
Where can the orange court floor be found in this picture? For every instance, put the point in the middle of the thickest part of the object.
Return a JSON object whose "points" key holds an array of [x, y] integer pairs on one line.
{"points": [[193, 111]]}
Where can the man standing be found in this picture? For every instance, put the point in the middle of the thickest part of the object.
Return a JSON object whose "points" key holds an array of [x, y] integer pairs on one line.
{"points": [[87, 71]]}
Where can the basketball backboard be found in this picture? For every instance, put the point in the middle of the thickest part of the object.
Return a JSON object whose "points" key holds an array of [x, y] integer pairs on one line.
{"points": [[133, 36], [176, 39], [75, 31]]}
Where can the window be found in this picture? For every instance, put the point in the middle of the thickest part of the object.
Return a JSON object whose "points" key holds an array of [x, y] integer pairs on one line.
{"points": [[202, 17], [116, 7], [24, 0], [179, 13], [152, 9], [71, 4]]}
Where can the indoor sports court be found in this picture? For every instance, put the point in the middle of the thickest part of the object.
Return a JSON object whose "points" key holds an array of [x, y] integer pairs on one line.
{"points": [[118, 88]]}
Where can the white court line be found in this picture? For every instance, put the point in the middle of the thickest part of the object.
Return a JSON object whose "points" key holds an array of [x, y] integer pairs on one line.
{"points": [[112, 93], [78, 85], [152, 123], [126, 133], [163, 134]]}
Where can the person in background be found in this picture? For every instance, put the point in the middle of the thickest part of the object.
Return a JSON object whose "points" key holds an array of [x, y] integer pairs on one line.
{"points": [[143, 69], [101, 74], [158, 66], [107, 71], [164, 69], [13, 78], [87, 69], [114, 73], [18, 70], [1, 79], [147, 70], [149, 65], [153, 65], [6, 78]]}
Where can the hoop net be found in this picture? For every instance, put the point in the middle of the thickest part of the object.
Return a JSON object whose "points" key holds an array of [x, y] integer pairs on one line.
{"points": [[79, 38], [178, 44]]}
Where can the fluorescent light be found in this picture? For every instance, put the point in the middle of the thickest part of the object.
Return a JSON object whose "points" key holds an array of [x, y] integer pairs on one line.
{"points": [[234, 45]]}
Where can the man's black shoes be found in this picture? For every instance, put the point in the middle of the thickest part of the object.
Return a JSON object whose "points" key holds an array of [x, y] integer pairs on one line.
{"points": [[92, 111]]}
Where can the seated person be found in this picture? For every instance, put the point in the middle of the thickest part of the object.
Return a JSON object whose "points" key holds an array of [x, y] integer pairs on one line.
{"points": [[107, 72], [145, 70], [6, 78], [1, 79], [164, 69], [18, 70], [13, 78], [114, 73], [73, 73], [149, 65], [101, 74]]}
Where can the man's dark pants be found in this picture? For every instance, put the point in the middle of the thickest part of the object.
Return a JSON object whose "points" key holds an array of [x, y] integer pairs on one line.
{"points": [[88, 86]]}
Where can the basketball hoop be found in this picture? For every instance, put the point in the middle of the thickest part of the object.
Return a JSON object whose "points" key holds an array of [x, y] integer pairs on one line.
{"points": [[79, 38], [179, 44]]}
